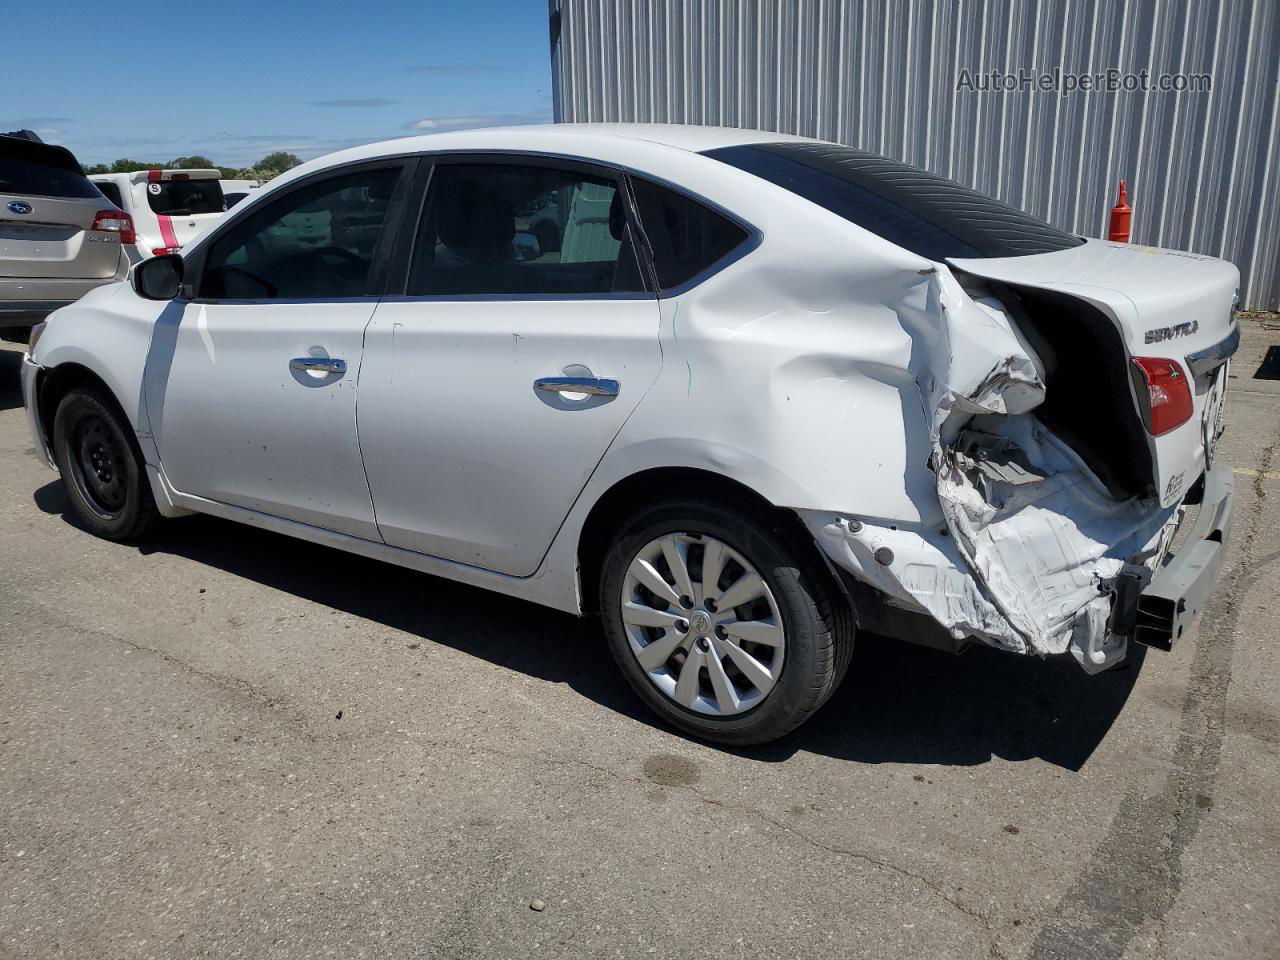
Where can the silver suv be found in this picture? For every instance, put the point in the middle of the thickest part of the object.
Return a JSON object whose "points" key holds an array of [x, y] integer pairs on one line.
{"points": [[59, 236]]}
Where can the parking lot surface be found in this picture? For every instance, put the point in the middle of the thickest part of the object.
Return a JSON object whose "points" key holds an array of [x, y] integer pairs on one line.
{"points": [[227, 743]]}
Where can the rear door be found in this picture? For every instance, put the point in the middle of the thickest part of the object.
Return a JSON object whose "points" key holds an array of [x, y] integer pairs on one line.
{"points": [[47, 211], [526, 336]]}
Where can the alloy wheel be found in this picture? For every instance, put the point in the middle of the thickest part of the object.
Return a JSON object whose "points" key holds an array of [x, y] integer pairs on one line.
{"points": [[702, 624]]}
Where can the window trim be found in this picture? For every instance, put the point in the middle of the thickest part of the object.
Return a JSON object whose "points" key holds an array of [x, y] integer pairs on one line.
{"points": [[402, 259], [408, 164]]}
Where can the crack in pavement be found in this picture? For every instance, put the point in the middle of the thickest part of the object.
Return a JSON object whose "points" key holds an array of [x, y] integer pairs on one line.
{"points": [[1135, 874], [983, 921], [219, 679]]}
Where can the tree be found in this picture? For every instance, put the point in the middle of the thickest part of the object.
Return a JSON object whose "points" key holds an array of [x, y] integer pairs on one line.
{"points": [[278, 162], [192, 163], [130, 166], [272, 165]]}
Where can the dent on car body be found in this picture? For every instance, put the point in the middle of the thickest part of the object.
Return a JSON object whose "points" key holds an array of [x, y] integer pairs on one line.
{"points": [[1032, 542]]}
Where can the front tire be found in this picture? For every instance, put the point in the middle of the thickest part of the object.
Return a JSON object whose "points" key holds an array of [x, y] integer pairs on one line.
{"points": [[722, 620], [101, 466]]}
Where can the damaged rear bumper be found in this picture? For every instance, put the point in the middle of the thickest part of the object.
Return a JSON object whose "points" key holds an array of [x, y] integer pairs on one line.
{"points": [[917, 571]]}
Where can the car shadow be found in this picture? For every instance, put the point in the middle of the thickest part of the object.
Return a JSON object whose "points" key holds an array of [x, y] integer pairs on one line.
{"points": [[899, 704], [1269, 369], [10, 375]]}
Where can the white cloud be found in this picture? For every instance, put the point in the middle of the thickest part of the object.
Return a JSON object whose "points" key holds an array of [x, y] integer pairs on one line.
{"points": [[468, 121]]}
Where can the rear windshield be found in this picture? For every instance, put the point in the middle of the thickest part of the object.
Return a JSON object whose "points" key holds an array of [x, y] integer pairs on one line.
{"points": [[41, 170], [182, 198], [919, 211]]}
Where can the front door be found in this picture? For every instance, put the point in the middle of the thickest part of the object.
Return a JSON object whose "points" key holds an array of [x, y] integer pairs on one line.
{"points": [[490, 391], [251, 388]]}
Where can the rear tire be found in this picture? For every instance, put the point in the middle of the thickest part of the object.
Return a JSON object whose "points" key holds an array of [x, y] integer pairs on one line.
{"points": [[762, 666], [102, 468]]}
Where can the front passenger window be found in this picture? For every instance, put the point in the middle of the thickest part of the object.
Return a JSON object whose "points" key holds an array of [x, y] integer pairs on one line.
{"points": [[316, 242]]}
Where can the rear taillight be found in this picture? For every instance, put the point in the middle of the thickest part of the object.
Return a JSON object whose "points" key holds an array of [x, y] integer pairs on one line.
{"points": [[161, 251], [115, 221], [1168, 401]]}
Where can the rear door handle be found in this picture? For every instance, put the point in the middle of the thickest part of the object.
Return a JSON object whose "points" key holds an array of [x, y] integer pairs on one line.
{"points": [[318, 364], [594, 386]]}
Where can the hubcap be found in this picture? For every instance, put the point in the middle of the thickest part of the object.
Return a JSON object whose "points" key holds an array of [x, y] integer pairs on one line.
{"points": [[702, 624]]}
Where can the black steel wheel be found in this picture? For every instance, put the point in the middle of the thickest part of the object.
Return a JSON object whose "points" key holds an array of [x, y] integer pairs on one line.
{"points": [[102, 467]]}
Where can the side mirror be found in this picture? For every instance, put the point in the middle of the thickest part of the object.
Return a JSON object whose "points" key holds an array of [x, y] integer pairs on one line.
{"points": [[527, 246], [159, 278]]}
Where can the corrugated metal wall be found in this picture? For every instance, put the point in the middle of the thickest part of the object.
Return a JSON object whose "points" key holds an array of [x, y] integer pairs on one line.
{"points": [[1203, 168]]}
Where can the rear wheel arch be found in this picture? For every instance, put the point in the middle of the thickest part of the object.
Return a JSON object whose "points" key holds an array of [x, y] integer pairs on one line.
{"points": [[652, 486]]}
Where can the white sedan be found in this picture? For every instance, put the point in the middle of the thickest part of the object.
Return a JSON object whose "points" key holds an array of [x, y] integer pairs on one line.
{"points": [[738, 393]]}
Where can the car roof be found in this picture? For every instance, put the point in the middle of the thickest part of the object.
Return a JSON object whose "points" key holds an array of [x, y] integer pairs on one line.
{"points": [[579, 139], [685, 136]]}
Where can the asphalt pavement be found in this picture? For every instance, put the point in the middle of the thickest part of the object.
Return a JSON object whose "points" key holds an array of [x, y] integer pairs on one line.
{"points": [[228, 743]]}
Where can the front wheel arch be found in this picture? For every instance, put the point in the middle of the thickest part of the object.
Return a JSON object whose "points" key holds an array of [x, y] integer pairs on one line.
{"points": [[55, 383]]}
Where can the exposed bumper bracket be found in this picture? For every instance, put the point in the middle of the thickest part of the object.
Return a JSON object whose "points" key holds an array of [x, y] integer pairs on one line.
{"points": [[1160, 613]]}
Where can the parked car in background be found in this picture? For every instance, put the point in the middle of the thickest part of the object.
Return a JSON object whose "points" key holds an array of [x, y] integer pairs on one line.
{"points": [[233, 191], [737, 392], [59, 236], [169, 208]]}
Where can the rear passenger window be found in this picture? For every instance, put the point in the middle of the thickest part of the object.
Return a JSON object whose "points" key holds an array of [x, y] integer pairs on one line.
{"points": [[112, 192], [317, 241], [497, 229], [686, 236]]}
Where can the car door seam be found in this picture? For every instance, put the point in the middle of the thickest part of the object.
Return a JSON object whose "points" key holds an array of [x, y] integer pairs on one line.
{"points": [[364, 469]]}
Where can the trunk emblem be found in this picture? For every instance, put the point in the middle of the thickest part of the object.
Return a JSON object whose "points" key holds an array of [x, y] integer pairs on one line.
{"points": [[17, 206], [1160, 334]]}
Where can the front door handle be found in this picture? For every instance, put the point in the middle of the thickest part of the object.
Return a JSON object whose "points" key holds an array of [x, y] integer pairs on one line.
{"points": [[593, 386], [318, 364]]}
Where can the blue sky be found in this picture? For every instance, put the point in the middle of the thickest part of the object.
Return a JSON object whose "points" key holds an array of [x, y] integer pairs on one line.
{"points": [[234, 81]]}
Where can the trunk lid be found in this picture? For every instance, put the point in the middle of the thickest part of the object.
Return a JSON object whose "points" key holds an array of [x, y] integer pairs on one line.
{"points": [[55, 239], [1166, 304]]}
